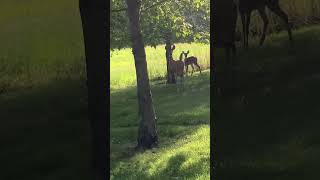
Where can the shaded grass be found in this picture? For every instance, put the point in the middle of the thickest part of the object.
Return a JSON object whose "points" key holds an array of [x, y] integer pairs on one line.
{"points": [[274, 135], [45, 132], [183, 118], [44, 126]]}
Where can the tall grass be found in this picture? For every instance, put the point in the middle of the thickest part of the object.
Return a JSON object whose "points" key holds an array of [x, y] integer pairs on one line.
{"points": [[40, 41], [300, 12], [122, 68]]}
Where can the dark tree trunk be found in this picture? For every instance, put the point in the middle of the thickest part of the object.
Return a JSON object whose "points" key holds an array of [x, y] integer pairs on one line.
{"points": [[94, 23], [147, 135], [169, 49]]}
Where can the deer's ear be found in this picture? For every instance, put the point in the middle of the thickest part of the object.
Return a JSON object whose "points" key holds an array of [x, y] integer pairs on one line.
{"points": [[182, 51], [188, 51]]}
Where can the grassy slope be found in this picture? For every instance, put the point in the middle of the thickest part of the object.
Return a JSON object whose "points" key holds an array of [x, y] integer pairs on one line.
{"points": [[42, 66], [276, 135], [183, 119], [44, 127]]}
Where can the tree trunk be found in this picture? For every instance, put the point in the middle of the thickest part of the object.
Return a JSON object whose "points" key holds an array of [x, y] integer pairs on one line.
{"points": [[170, 77], [147, 134], [94, 23]]}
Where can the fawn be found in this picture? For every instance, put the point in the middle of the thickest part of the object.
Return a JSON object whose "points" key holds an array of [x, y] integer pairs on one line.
{"points": [[190, 61]]}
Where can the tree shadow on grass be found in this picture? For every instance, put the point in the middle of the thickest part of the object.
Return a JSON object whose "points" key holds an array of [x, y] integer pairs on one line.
{"points": [[179, 114], [272, 121], [45, 131], [168, 101], [175, 167], [179, 165]]}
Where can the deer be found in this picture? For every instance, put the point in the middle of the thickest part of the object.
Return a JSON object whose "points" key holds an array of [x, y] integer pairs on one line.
{"points": [[176, 67], [190, 61], [247, 6], [224, 32]]}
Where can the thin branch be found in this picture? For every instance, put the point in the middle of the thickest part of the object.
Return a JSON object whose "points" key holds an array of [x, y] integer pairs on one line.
{"points": [[154, 5], [119, 10], [143, 10]]}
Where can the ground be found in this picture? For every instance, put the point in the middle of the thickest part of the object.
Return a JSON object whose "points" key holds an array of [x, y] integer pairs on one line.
{"points": [[275, 135], [43, 106], [183, 116]]}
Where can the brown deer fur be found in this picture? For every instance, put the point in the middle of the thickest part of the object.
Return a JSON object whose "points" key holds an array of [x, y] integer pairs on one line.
{"points": [[176, 67], [247, 6], [190, 61]]}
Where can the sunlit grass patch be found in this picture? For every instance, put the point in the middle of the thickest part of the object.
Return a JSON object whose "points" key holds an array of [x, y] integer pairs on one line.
{"points": [[186, 158], [122, 68]]}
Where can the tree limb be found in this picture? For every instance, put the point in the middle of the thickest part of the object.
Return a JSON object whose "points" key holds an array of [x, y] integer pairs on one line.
{"points": [[143, 10], [153, 5], [119, 10]]}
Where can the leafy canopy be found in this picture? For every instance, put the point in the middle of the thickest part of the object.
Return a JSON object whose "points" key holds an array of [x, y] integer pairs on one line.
{"points": [[186, 20]]}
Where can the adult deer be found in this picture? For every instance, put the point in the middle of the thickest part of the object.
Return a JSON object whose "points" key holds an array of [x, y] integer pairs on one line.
{"points": [[176, 68], [247, 6], [190, 61], [224, 27]]}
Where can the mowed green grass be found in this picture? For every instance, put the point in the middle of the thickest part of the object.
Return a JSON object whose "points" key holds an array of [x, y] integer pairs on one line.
{"points": [[45, 133], [274, 136], [40, 41], [122, 67], [182, 124]]}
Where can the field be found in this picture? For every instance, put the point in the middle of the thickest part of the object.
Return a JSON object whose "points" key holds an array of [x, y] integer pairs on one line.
{"points": [[44, 126], [122, 71], [274, 133], [183, 119], [43, 107]]}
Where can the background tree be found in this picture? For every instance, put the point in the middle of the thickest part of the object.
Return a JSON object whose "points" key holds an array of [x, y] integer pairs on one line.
{"points": [[164, 22], [156, 22], [147, 135], [94, 23]]}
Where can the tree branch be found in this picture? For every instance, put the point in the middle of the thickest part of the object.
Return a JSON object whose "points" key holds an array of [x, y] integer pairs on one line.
{"points": [[153, 5], [143, 10], [119, 10]]}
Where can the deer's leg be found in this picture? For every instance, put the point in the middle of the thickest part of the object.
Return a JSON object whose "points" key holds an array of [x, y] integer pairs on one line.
{"points": [[248, 19], [233, 63], [264, 17], [173, 77], [198, 67], [186, 70], [192, 69], [243, 21], [278, 11], [181, 79], [226, 75]]}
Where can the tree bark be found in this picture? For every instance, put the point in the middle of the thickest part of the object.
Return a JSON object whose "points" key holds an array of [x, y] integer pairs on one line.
{"points": [[170, 77], [147, 134], [94, 23]]}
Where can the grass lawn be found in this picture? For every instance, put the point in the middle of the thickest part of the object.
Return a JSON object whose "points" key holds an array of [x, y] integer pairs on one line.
{"points": [[183, 129], [182, 124], [274, 136], [43, 107]]}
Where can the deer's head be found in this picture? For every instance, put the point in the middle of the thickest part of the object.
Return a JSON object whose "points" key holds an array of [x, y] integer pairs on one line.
{"points": [[185, 54]]}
